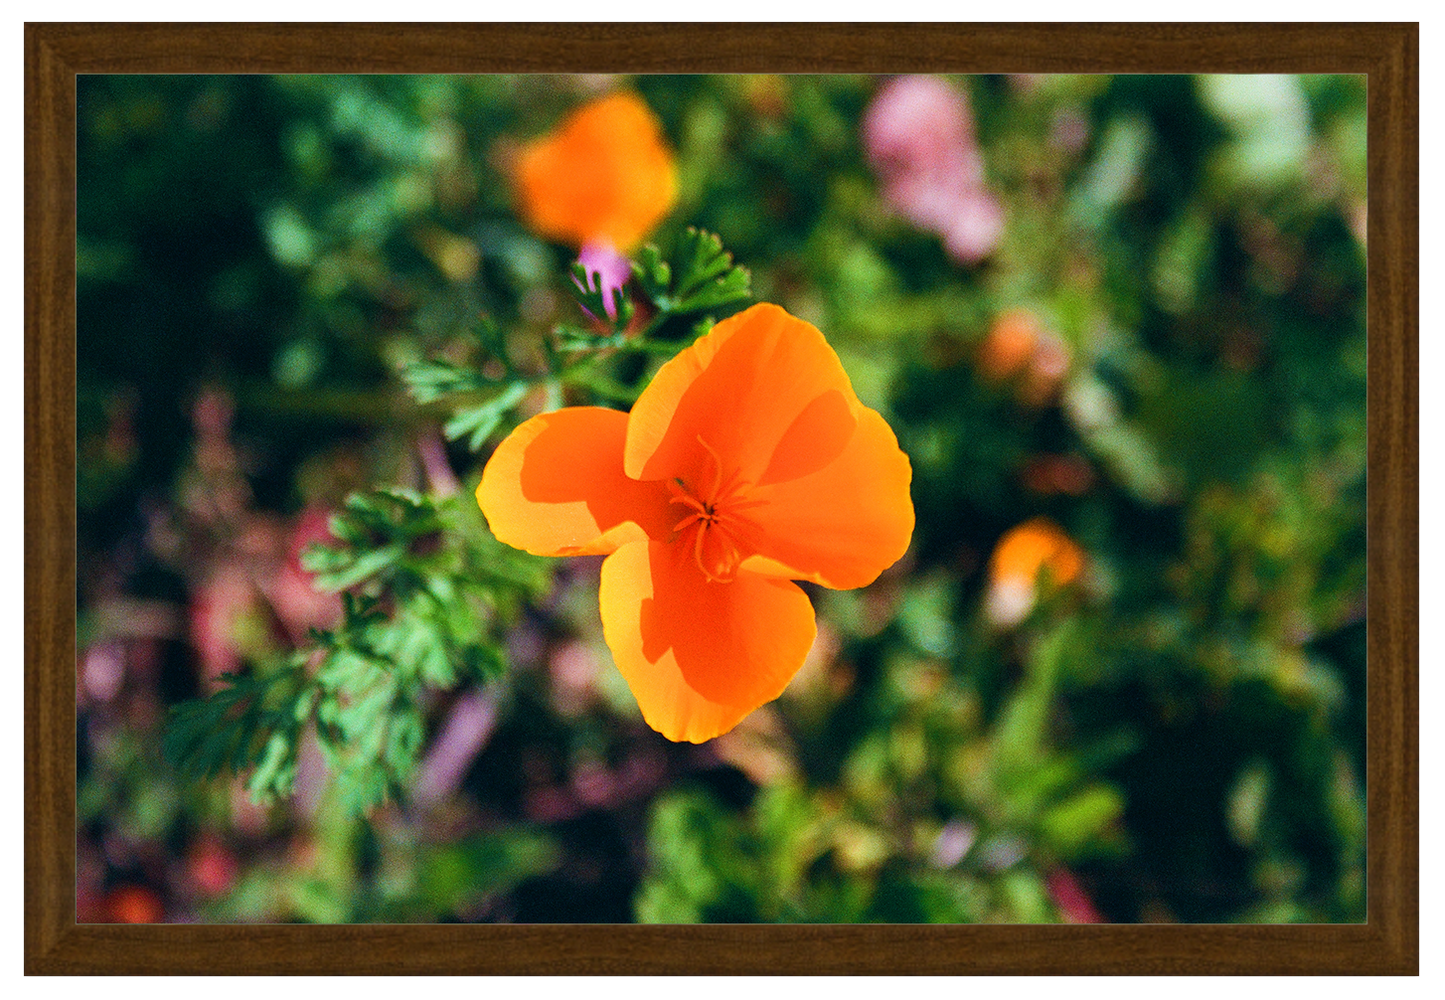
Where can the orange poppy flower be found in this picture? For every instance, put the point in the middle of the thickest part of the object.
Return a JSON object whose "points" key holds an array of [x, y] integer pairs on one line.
{"points": [[605, 175], [746, 464], [1010, 344], [1021, 555], [1027, 549], [1017, 341]]}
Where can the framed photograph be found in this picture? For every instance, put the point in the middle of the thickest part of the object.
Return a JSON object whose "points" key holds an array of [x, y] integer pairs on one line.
{"points": [[721, 499]]}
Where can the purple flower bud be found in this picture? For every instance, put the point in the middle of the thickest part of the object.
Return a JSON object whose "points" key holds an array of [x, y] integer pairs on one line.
{"points": [[614, 269]]}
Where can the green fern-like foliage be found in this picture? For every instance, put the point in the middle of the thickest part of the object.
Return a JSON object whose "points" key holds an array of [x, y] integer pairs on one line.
{"points": [[427, 591]]}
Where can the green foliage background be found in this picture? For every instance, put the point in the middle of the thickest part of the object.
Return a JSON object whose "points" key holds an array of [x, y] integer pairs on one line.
{"points": [[302, 295]]}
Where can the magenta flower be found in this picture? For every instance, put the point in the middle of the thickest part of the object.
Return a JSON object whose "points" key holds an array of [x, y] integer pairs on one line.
{"points": [[615, 270]]}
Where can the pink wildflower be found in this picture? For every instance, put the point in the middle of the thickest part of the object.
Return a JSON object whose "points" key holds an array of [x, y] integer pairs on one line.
{"points": [[918, 135]]}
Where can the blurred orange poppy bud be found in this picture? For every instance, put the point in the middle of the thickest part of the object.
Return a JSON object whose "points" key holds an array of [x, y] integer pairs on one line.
{"points": [[1021, 557], [1009, 345], [605, 175], [1019, 345]]}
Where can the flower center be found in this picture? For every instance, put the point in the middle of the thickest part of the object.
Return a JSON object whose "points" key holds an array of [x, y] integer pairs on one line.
{"points": [[714, 527]]}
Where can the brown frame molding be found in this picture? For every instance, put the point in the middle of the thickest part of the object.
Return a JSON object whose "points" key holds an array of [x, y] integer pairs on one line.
{"points": [[1388, 943]]}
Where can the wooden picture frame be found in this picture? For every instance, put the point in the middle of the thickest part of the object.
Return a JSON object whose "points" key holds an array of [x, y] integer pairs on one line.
{"points": [[1387, 943]]}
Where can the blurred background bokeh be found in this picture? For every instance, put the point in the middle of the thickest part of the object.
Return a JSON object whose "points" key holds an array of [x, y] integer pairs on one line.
{"points": [[1118, 324]]}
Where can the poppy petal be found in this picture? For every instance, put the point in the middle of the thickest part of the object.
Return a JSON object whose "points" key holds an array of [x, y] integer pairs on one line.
{"points": [[842, 525], [762, 390], [555, 486], [697, 655]]}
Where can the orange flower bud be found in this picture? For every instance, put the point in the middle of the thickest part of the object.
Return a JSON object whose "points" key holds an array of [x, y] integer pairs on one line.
{"points": [[1019, 559], [1009, 345], [605, 175], [1019, 346], [1027, 549]]}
